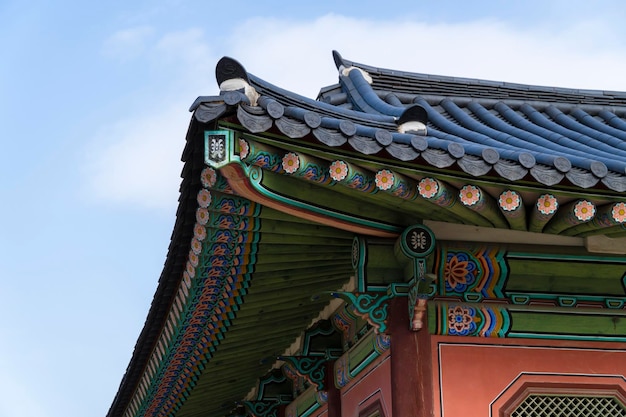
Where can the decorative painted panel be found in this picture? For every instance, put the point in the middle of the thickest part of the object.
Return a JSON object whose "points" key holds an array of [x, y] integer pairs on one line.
{"points": [[490, 292], [472, 319], [472, 274], [218, 146]]}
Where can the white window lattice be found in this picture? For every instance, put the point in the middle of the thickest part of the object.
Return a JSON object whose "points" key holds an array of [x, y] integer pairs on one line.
{"points": [[569, 406]]}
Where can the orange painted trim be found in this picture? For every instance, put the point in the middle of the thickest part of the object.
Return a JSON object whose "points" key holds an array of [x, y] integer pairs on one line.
{"points": [[240, 183]]}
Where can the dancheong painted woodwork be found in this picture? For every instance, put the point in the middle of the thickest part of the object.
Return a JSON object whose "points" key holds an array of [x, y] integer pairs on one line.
{"points": [[405, 244]]}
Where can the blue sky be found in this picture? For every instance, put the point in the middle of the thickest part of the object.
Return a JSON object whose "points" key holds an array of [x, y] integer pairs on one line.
{"points": [[93, 114]]}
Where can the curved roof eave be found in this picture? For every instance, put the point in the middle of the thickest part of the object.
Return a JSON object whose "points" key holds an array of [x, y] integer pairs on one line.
{"points": [[331, 125], [590, 154]]}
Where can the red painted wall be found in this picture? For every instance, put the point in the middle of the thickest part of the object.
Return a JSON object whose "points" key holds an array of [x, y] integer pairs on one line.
{"points": [[476, 377], [374, 387], [471, 374]]}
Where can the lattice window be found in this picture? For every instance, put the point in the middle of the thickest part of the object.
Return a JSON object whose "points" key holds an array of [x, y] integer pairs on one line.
{"points": [[569, 406]]}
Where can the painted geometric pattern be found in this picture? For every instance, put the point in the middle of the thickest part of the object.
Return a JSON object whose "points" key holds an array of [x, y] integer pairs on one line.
{"points": [[481, 272], [216, 278], [467, 203], [472, 320], [466, 277], [345, 320], [267, 157], [566, 406]]}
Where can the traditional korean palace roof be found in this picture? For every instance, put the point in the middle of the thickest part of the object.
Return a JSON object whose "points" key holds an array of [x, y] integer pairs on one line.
{"points": [[276, 186]]}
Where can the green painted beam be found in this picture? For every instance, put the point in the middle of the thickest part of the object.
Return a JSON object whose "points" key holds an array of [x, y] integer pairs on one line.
{"points": [[565, 277], [571, 326]]}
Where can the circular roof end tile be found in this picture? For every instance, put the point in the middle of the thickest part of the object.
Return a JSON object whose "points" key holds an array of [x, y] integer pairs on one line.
{"points": [[347, 128], [599, 169], [490, 155], [312, 119], [562, 164], [456, 150], [275, 109], [383, 137], [233, 97], [419, 143], [526, 160]]}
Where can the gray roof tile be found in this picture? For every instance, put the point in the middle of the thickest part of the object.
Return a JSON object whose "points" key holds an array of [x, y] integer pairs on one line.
{"points": [[477, 119]]}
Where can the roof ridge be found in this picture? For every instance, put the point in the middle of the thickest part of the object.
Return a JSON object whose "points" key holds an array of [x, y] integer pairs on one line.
{"points": [[590, 96]]}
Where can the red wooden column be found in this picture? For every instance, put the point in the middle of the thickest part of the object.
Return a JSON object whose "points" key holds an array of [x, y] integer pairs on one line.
{"points": [[411, 364], [334, 395]]}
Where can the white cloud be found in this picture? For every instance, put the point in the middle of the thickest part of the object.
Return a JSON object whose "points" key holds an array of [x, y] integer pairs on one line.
{"points": [[288, 52], [136, 160], [127, 43], [189, 48]]}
